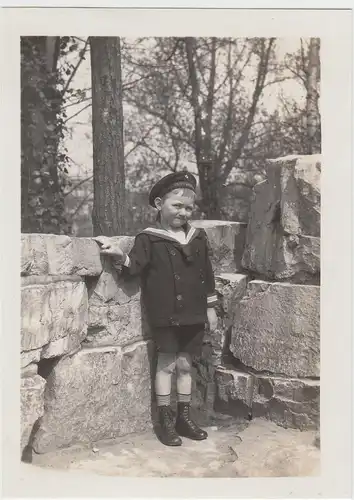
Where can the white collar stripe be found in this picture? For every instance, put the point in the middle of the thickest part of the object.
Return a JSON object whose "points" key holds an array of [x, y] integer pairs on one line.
{"points": [[167, 235]]}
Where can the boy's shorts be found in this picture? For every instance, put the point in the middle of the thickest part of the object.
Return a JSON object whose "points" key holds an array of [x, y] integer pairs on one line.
{"points": [[175, 339]]}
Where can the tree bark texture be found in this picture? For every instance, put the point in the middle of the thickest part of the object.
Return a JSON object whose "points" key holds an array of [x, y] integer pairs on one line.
{"points": [[108, 214], [312, 112]]}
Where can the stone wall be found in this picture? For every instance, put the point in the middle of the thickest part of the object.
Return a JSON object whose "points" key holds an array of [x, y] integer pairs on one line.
{"points": [[87, 358], [273, 366]]}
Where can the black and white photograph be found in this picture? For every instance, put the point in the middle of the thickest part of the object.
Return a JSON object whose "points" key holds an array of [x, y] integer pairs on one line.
{"points": [[170, 289]]}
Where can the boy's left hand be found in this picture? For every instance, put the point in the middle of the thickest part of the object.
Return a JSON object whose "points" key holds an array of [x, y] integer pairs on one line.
{"points": [[212, 319]]}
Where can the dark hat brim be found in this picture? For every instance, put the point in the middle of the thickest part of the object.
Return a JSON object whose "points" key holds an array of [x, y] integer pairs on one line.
{"points": [[170, 182]]}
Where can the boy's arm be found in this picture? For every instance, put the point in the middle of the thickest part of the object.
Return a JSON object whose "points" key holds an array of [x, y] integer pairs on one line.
{"points": [[139, 256], [210, 280]]}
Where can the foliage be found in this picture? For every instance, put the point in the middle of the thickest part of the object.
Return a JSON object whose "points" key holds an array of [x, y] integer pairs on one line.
{"points": [[45, 90], [234, 79]]}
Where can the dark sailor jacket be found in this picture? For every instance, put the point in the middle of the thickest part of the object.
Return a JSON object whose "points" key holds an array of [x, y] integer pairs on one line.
{"points": [[177, 280]]}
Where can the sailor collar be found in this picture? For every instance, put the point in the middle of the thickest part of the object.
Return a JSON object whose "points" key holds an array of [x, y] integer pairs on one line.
{"points": [[191, 233]]}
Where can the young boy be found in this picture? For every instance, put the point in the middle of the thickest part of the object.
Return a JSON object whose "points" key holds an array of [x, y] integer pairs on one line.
{"points": [[178, 290]]}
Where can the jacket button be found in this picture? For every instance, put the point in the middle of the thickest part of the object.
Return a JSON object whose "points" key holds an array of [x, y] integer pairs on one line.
{"points": [[179, 297], [177, 276], [173, 252]]}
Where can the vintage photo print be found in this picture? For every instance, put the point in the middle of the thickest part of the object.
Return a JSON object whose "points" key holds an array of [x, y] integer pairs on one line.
{"points": [[181, 181]]}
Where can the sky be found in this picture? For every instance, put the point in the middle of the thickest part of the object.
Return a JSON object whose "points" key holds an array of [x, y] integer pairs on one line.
{"points": [[79, 144]]}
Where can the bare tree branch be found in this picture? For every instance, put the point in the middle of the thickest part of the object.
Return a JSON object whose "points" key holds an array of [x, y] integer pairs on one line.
{"points": [[261, 76], [85, 99], [161, 116], [78, 185], [82, 55], [77, 113], [140, 142], [81, 204]]}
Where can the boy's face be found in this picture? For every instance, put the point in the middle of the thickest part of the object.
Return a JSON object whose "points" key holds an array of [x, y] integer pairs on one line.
{"points": [[176, 208]]}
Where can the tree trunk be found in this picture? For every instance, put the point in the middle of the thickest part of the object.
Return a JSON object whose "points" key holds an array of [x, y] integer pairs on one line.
{"points": [[312, 113], [203, 146], [108, 214]]}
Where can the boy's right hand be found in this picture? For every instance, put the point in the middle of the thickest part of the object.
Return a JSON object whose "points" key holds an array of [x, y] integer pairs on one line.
{"points": [[107, 247]]}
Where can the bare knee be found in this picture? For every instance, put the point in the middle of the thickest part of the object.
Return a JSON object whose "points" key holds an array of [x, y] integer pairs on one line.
{"points": [[184, 363], [166, 363]]}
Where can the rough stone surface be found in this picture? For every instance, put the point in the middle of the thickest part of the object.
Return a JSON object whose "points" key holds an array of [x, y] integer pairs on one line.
{"points": [[298, 178], [45, 279], [65, 345], [288, 402], [227, 240], [277, 329], [283, 234], [291, 403], [32, 405], [29, 357], [34, 258], [30, 370], [73, 256], [234, 386], [117, 325], [110, 288], [262, 449], [96, 394], [51, 312]]}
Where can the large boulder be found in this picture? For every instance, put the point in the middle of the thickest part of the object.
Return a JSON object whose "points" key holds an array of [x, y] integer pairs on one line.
{"points": [[97, 393], [283, 233], [32, 405], [54, 316], [227, 240], [277, 329]]}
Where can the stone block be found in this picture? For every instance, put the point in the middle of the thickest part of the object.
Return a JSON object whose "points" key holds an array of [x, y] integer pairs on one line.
{"points": [[79, 256], [34, 257], [277, 329], [51, 312], [227, 240], [234, 386], [298, 179], [291, 403], [96, 394], [112, 289], [283, 233], [117, 325], [30, 370], [29, 357], [32, 405]]}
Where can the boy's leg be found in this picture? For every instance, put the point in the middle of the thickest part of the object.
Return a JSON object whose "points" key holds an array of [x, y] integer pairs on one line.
{"points": [[185, 425], [166, 363], [184, 377]]}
